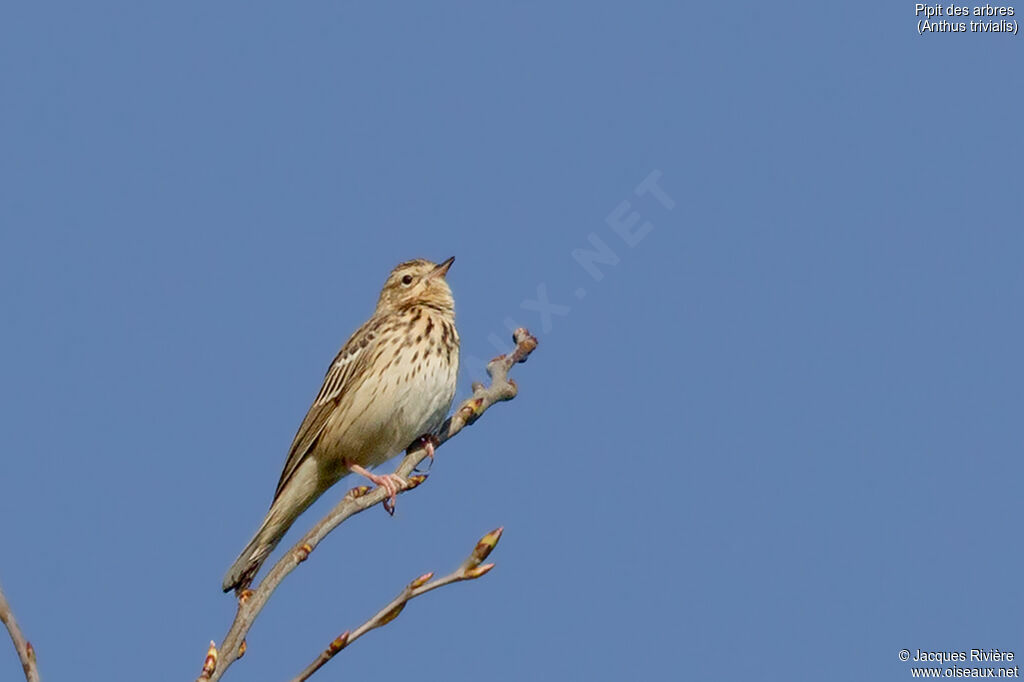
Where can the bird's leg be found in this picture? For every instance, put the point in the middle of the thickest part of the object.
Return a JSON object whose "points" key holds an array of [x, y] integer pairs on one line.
{"points": [[392, 483], [428, 441]]}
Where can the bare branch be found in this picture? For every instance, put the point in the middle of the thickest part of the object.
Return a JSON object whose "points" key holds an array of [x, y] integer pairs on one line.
{"points": [[251, 602], [470, 569], [26, 653]]}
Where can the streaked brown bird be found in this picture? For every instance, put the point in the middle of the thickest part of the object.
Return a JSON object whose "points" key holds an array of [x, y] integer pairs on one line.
{"points": [[391, 384]]}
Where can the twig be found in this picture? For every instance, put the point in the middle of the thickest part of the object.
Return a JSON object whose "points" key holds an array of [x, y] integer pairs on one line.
{"points": [[26, 653], [251, 602], [470, 569]]}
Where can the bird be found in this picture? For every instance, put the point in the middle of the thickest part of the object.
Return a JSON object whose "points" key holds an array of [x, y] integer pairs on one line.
{"points": [[389, 387]]}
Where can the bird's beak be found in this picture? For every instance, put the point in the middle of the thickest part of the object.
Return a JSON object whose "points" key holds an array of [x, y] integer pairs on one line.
{"points": [[442, 269]]}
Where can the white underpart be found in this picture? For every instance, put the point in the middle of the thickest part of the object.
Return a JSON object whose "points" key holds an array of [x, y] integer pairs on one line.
{"points": [[382, 422]]}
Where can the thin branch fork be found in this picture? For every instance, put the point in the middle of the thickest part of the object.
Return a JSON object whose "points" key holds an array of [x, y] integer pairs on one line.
{"points": [[470, 569], [251, 602], [26, 653]]}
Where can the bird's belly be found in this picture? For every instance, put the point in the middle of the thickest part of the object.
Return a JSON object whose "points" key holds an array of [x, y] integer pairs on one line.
{"points": [[404, 407]]}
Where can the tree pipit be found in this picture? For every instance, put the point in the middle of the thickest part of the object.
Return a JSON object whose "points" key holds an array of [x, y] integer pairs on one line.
{"points": [[392, 383]]}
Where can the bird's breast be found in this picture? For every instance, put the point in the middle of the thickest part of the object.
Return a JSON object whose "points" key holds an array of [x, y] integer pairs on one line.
{"points": [[408, 394]]}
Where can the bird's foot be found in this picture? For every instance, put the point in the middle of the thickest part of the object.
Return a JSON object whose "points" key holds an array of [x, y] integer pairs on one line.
{"points": [[428, 442], [392, 483]]}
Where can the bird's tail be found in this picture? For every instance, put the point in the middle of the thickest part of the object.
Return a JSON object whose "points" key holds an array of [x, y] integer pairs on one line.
{"points": [[290, 501], [248, 563]]}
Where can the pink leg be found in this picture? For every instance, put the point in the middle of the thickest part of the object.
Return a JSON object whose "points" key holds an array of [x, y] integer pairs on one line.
{"points": [[429, 442], [392, 483]]}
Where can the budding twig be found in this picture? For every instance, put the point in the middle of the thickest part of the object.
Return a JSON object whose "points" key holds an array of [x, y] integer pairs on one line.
{"points": [[210, 663], [470, 569], [26, 653], [360, 499]]}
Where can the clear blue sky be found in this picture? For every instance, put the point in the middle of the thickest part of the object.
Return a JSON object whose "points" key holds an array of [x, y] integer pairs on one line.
{"points": [[780, 438]]}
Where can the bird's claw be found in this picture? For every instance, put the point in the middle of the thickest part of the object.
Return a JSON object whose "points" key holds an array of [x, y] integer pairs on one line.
{"points": [[428, 442], [392, 483]]}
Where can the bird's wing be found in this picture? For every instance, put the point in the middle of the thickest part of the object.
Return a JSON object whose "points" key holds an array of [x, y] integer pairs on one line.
{"points": [[351, 362]]}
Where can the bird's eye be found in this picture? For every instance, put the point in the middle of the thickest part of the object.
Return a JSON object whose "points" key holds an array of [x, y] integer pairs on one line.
{"points": [[407, 280]]}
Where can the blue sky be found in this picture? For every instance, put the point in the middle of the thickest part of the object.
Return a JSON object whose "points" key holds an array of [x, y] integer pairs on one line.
{"points": [[779, 438]]}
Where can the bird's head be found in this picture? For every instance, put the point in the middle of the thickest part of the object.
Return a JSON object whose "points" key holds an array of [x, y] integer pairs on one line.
{"points": [[418, 282]]}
